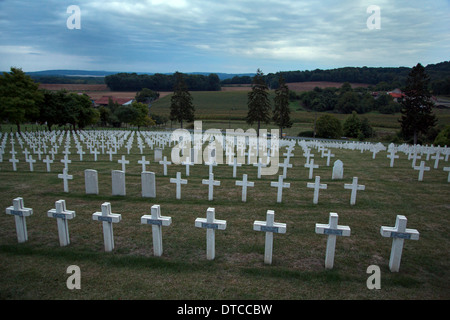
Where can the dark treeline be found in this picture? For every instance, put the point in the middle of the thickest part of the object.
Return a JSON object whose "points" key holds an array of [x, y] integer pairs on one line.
{"points": [[160, 82], [394, 77], [51, 79]]}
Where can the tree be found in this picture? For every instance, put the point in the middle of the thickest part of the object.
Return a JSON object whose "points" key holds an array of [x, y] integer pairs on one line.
{"points": [[259, 108], [142, 118], [281, 112], [417, 113], [181, 107], [352, 126], [443, 138], [51, 108], [19, 97], [146, 96], [329, 126]]}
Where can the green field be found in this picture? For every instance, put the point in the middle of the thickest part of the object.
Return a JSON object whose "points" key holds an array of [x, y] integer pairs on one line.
{"points": [[228, 109], [37, 269]]}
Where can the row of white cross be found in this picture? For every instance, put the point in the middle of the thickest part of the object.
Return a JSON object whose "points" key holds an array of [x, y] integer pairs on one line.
{"points": [[399, 232]]}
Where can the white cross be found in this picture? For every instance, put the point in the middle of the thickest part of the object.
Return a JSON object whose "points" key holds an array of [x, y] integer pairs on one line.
{"points": [[414, 156], [47, 161], [187, 163], [179, 182], [96, 153], [421, 169], [66, 161], [107, 219], [280, 185], [354, 186], [332, 229], [211, 183], [124, 162], [308, 155], [110, 152], [448, 170], [211, 224], [269, 227], [392, 156], [14, 161], [316, 185], [143, 162], [285, 165], [20, 213], [311, 167], [65, 177], [81, 152], [288, 154], [244, 185], [165, 163], [62, 215], [328, 154], [211, 164], [31, 161], [399, 233], [235, 164], [157, 221], [259, 165], [436, 158], [26, 153]]}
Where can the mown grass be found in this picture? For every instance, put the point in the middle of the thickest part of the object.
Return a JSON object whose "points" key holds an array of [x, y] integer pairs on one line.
{"points": [[37, 269]]}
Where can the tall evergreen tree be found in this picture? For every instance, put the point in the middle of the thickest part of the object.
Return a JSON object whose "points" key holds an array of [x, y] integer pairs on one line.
{"points": [[259, 108], [417, 113], [181, 107], [281, 112]]}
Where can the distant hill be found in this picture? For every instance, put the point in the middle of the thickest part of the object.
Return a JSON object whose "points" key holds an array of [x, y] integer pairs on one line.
{"points": [[93, 73]]}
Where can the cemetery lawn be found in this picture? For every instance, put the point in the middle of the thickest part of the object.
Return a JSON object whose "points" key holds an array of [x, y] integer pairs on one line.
{"points": [[37, 269]]}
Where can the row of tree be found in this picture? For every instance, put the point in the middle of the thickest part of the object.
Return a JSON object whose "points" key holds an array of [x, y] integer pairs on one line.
{"points": [[21, 101], [161, 82], [346, 100], [390, 77]]}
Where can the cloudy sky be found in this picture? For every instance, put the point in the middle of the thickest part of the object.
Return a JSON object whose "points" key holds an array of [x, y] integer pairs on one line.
{"points": [[233, 36]]}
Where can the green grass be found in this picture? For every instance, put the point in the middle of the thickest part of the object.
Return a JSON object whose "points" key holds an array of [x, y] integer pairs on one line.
{"points": [[228, 109], [37, 269]]}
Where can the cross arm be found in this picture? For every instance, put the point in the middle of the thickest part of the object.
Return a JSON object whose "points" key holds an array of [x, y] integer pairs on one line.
{"points": [[276, 228], [161, 221], [217, 224], [392, 232]]}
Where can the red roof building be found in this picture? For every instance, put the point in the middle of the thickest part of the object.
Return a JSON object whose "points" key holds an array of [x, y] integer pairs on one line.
{"points": [[103, 101]]}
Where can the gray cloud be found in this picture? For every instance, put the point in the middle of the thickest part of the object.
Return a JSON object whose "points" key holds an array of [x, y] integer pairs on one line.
{"points": [[226, 36]]}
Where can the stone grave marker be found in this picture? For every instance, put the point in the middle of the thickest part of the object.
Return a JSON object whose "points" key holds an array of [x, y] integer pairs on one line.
{"points": [[143, 162], [157, 221], [211, 224], [148, 184], [311, 167], [399, 233], [91, 181], [62, 216], [48, 161], [332, 229], [269, 227], [158, 154], [338, 170], [354, 186], [107, 219], [118, 183], [448, 170], [20, 213]]}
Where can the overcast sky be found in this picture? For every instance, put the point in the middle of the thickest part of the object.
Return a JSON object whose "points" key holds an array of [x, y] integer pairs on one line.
{"points": [[233, 36]]}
